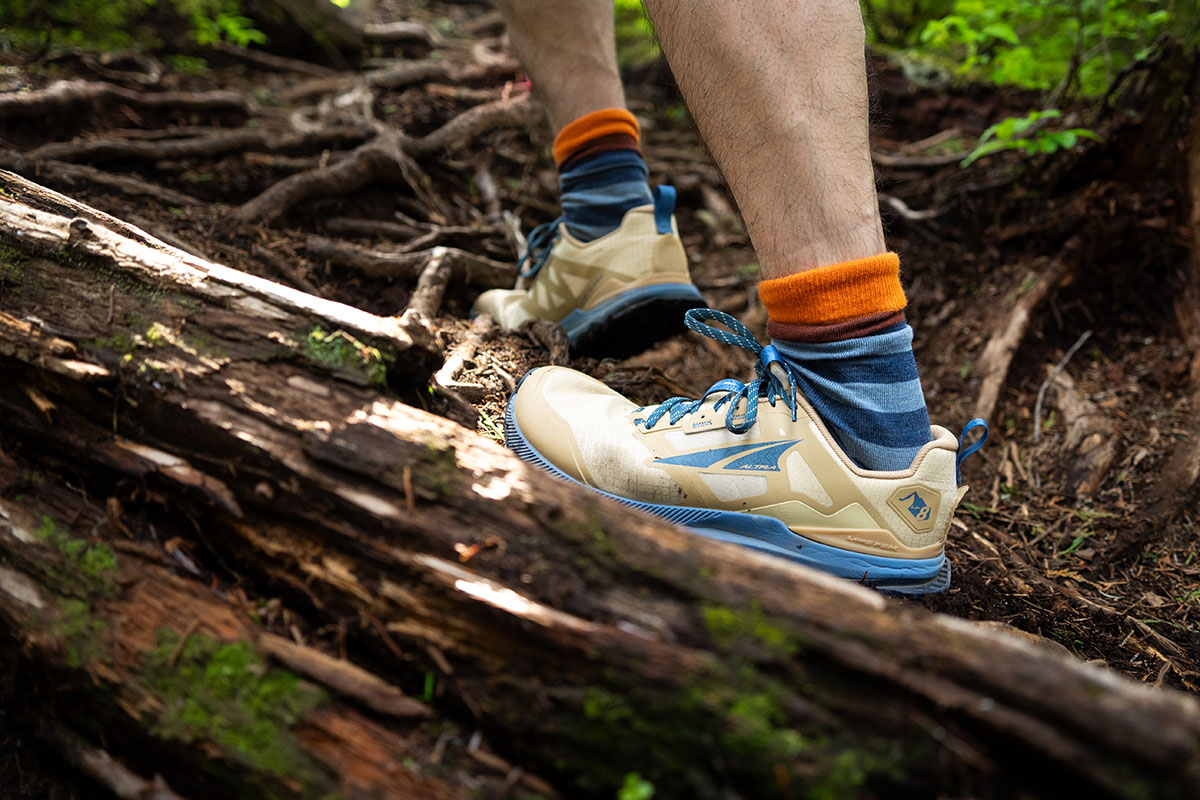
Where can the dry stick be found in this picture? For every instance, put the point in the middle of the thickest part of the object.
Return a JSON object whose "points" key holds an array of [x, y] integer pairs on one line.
{"points": [[216, 143], [344, 677], [272, 62], [912, 162], [902, 208], [73, 176], [1002, 346], [65, 94], [112, 774], [476, 270], [431, 286], [1041, 395]]}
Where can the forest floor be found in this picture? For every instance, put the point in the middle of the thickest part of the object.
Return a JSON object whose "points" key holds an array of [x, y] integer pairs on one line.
{"points": [[1057, 537]]}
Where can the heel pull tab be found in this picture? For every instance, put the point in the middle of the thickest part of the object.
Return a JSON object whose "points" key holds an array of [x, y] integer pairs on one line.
{"points": [[664, 207], [964, 449]]}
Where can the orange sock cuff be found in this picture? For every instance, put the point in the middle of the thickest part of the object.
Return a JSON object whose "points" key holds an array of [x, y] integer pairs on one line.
{"points": [[836, 293], [589, 127]]}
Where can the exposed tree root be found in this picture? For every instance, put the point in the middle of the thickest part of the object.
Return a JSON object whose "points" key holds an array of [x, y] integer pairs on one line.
{"points": [[74, 176], [475, 270], [216, 143], [516, 112], [66, 94], [993, 364], [397, 32], [431, 285]]}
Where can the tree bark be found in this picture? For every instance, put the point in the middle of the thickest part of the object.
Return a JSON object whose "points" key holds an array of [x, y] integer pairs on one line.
{"points": [[181, 440]]}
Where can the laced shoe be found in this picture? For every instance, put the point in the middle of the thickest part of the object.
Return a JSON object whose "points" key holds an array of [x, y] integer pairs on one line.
{"points": [[750, 463], [623, 291]]}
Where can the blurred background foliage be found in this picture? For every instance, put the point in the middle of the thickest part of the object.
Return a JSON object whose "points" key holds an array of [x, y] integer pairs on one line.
{"points": [[1072, 46]]}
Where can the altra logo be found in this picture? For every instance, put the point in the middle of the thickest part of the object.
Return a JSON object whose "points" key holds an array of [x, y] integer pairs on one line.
{"points": [[917, 506], [759, 457]]}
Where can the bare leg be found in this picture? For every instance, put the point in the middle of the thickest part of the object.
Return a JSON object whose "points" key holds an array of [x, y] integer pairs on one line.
{"points": [[569, 50], [778, 89]]}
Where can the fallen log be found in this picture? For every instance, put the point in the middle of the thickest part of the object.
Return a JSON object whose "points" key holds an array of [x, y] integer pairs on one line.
{"points": [[182, 442]]}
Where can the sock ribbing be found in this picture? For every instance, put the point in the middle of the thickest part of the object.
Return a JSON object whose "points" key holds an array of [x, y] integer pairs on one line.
{"points": [[842, 330], [601, 173]]}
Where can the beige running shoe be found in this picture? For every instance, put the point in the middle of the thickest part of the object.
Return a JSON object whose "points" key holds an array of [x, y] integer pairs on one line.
{"points": [[613, 295], [749, 463]]}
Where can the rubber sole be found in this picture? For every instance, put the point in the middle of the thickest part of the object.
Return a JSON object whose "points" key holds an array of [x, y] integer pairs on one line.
{"points": [[766, 534], [631, 321]]}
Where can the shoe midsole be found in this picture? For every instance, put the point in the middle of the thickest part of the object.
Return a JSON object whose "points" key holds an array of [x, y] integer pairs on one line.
{"points": [[752, 530]]}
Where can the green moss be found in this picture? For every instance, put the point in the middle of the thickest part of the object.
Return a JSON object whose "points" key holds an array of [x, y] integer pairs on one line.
{"points": [[121, 344], [80, 631], [155, 335], [89, 564], [439, 472], [341, 351], [731, 629], [226, 694]]}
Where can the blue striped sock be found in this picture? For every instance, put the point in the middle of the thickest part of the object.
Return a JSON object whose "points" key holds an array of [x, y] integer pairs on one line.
{"points": [[598, 189], [867, 392]]}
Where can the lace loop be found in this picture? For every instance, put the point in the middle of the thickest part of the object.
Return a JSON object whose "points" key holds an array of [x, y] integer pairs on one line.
{"points": [[775, 380], [537, 248]]}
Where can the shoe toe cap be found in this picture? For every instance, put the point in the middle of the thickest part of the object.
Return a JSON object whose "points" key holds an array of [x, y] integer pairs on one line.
{"points": [[503, 305], [554, 406]]}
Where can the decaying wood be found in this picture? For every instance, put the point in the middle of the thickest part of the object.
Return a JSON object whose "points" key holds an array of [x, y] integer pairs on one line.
{"points": [[583, 638]]}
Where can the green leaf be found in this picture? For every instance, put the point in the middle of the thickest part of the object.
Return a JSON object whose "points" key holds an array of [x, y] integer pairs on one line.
{"points": [[1003, 31]]}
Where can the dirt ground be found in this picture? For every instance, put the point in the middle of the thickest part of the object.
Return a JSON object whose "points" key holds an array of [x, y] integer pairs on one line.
{"points": [[1071, 537]]}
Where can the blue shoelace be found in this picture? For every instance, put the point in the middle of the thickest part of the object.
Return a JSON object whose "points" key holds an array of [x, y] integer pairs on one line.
{"points": [[775, 380], [537, 248]]}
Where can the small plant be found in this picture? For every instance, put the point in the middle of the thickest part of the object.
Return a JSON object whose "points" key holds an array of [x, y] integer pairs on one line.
{"points": [[635, 788], [1028, 135]]}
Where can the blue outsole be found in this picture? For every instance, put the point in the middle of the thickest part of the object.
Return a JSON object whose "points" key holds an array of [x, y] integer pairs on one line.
{"points": [[766, 534]]}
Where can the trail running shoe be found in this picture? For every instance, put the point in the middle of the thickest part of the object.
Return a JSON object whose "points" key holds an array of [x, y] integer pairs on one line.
{"points": [[622, 292], [749, 463]]}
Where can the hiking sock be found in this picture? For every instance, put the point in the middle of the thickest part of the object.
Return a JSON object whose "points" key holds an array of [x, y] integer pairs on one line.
{"points": [[601, 172], [841, 328]]}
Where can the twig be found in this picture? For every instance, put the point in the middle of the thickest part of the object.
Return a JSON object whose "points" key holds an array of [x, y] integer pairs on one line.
{"points": [[344, 677], [902, 208], [915, 162], [1041, 395], [173, 660], [272, 62]]}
